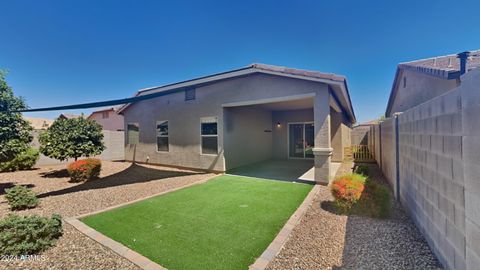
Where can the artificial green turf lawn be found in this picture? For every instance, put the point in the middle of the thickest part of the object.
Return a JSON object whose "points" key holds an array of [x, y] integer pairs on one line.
{"points": [[225, 223]]}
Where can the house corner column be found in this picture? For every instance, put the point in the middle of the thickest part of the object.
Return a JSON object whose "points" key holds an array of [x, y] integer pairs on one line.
{"points": [[322, 149], [323, 158]]}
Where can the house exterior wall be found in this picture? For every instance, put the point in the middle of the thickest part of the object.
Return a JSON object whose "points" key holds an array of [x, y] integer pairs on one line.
{"points": [[340, 134], [184, 118], [336, 135], [113, 122], [346, 134], [419, 88], [280, 134], [248, 135], [360, 135]]}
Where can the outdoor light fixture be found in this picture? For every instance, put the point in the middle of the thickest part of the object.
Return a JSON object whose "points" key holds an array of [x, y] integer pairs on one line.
{"points": [[278, 124]]}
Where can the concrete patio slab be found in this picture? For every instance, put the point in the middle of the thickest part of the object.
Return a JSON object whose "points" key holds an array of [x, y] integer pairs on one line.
{"points": [[283, 170]]}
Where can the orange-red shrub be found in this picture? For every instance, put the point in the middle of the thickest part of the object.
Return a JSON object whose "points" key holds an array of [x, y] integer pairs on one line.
{"points": [[347, 189], [85, 169]]}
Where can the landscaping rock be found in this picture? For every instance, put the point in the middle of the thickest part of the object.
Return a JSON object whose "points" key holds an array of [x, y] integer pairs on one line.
{"points": [[325, 240], [119, 182]]}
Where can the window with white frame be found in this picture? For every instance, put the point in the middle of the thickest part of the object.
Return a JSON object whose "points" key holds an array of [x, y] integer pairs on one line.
{"points": [[133, 133], [162, 136], [209, 135]]}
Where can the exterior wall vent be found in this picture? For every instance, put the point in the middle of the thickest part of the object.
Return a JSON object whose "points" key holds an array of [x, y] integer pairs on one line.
{"points": [[189, 94]]}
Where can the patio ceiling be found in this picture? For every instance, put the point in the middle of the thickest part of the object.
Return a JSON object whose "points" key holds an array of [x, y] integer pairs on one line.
{"points": [[298, 104]]}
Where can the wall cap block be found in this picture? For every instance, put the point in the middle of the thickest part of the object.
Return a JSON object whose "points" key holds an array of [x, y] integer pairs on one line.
{"points": [[322, 151]]}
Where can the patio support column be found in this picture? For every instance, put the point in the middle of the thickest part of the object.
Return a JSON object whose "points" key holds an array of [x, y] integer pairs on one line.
{"points": [[322, 149]]}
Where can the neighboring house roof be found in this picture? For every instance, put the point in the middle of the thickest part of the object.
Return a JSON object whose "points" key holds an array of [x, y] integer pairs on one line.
{"points": [[369, 123], [112, 109], [337, 83], [39, 123], [445, 67], [68, 116]]}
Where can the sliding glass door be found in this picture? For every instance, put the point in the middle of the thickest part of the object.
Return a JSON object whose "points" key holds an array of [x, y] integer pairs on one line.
{"points": [[300, 140]]}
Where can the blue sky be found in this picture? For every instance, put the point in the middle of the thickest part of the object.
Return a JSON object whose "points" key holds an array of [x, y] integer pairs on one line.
{"points": [[66, 52]]}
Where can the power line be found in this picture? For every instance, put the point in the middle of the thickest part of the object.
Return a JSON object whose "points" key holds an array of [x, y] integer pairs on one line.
{"points": [[98, 104]]}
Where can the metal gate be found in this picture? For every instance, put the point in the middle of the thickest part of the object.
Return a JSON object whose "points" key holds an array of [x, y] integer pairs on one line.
{"points": [[359, 153]]}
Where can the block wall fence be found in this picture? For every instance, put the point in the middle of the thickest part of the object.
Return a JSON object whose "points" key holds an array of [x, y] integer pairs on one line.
{"points": [[430, 155], [113, 140]]}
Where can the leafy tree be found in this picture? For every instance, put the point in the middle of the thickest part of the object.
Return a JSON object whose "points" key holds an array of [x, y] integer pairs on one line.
{"points": [[72, 138], [15, 132]]}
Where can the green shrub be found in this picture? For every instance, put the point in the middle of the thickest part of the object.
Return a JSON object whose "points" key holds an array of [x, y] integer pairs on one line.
{"points": [[20, 197], [362, 169], [28, 235], [347, 190], [85, 169], [24, 161]]}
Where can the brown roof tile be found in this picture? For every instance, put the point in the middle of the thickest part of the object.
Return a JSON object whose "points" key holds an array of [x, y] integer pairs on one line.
{"points": [[299, 72], [442, 66]]}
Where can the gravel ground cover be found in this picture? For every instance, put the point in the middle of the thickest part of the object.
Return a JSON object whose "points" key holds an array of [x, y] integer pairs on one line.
{"points": [[322, 240], [119, 182], [325, 240]]}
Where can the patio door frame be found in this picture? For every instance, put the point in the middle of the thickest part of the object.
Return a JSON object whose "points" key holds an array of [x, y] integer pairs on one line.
{"points": [[288, 140]]}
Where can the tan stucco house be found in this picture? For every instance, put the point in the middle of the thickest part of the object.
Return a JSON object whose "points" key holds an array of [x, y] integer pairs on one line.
{"points": [[108, 119], [421, 80], [239, 117]]}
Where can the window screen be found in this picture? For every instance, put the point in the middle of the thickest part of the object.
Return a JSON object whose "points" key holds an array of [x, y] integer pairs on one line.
{"points": [[209, 135], [133, 133], [162, 136]]}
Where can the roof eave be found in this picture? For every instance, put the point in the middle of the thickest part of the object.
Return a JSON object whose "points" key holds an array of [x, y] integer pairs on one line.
{"points": [[242, 72]]}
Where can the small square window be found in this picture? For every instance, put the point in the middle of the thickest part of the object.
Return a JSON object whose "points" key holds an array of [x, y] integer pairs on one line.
{"points": [[104, 115], [189, 94]]}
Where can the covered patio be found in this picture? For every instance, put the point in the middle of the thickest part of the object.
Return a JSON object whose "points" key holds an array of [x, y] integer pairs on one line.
{"points": [[289, 138]]}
